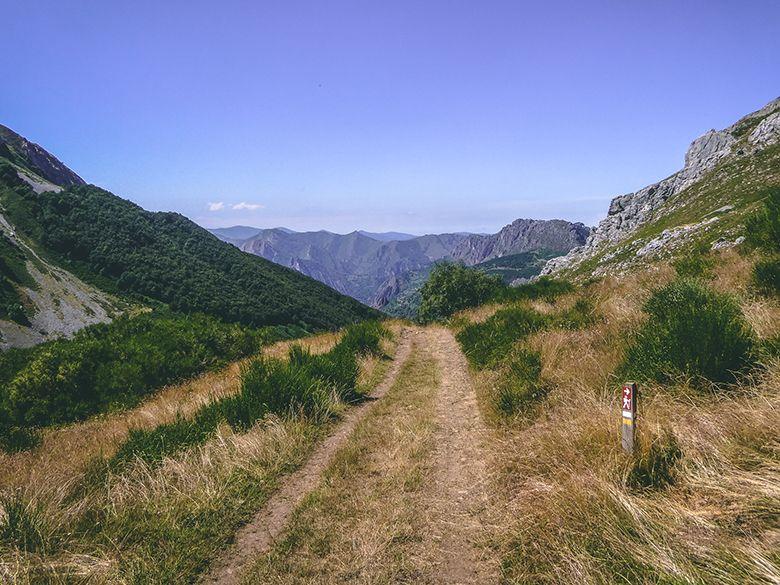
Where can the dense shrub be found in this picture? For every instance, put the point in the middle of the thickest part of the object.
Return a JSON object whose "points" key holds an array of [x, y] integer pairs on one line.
{"points": [[453, 287], [692, 331], [303, 383], [118, 246], [654, 465], [112, 365], [488, 343], [763, 233]]}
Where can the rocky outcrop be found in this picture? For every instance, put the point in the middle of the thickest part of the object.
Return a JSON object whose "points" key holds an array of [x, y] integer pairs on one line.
{"points": [[29, 155], [767, 132], [629, 212], [522, 235]]}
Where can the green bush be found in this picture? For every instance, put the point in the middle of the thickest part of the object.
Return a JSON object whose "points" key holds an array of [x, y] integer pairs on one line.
{"points": [[654, 467], [763, 233], [581, 315], [763, 228], [110, 366], [304, 383], [766, 275], [364, 338], [487, 344], [698, 263], [453, 287], [23, 524], [692, 331]]}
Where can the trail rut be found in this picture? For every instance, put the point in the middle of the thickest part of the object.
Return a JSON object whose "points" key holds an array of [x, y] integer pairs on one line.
{"points": [[257, 537]]}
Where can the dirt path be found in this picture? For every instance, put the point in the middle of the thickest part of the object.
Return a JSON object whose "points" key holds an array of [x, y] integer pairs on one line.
{"points": [[459, 504], [258, 536]]}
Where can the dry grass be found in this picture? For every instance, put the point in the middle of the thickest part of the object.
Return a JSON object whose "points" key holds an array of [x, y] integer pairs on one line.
{"points": [[155, 523], [362, 523], [731, 272], [561, 483], [477, 314], [64, 452]]}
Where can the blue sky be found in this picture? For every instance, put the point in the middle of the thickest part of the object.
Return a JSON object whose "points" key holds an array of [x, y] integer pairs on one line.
{"points": [[421, 116]]}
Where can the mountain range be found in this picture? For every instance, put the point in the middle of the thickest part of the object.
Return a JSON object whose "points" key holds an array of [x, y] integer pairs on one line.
{"points": [[375, 268]]}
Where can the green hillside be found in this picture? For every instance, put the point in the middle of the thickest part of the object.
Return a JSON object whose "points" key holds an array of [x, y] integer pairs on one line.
{"points": [[514, 266], [119, 247]]}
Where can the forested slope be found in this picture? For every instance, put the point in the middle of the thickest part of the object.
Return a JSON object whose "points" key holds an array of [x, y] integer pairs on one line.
{"points": [[140, 256]]}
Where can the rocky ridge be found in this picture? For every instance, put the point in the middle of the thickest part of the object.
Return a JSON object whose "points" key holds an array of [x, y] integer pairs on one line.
{"points": [[627, 213]]}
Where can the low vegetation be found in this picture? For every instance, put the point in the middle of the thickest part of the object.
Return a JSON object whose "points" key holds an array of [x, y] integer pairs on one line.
{"points": [[303, 383], [13, 273], [763, 233], [692, 332], [367, 519], [498, 345], [452, 287], [109, 366], [696, 502], [171, 514], [696, 263]]}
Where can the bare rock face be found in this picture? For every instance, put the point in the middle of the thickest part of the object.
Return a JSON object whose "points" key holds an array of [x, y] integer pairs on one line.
{"points": [[31, 156], [767, 132], [522, 235], [629, 212]]}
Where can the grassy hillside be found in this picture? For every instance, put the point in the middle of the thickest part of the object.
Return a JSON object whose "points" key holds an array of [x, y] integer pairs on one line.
{"points": [[123, 249], [517, 266], [697, 502], [149, 495]]}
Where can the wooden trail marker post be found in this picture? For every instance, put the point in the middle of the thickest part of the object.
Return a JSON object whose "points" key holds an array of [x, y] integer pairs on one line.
{"points": [[628, 405]]}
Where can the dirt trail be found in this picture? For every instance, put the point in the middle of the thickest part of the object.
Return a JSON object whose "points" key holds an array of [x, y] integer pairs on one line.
{"points": [[258, 536], [459, 503]]}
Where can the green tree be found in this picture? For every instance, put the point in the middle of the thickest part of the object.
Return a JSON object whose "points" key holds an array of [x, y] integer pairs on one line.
{"points": [[452, 287]]}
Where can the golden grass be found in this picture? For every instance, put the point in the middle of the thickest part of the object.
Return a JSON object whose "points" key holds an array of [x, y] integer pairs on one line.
{"points": [[561, 482], [476, 314], [194, 500], [65, 451], [361, 525]]}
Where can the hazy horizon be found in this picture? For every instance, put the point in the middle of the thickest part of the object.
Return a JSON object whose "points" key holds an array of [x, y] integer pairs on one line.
{"points": [[412, 117]]}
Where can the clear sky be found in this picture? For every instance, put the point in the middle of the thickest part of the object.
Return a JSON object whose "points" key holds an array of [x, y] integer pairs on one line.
{"points": [[412, 115]]}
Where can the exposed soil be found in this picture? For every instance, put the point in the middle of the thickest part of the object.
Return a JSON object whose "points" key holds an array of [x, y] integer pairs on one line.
{"points": [[458, 498]]}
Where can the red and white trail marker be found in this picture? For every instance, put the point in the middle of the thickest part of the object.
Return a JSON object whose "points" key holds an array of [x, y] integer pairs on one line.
{"points": [[628, 401]]}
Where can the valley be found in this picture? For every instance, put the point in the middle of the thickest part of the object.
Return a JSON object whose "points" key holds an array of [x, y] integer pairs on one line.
{"points": [[378, 269], [186, 406]]}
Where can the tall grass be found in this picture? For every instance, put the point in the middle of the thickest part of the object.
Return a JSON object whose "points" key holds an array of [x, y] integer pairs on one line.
{"points": [[304, 382], [486, 344], [159, 519], [696, 503], [111, 366]]}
